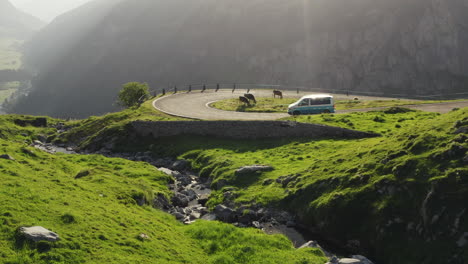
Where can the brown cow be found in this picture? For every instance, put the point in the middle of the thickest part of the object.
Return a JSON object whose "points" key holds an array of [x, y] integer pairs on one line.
{"points": [[277, 93], [251, 97], [244, 100]]}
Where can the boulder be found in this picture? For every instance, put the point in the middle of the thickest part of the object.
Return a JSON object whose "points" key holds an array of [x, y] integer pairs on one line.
{"points": [[39, 233], [162, 163], [182, 178], [191, 194], [37, 122], [257, 224], [349, 261], [143, 236], [247, 217], [180, 165], [253, 169], [180, 199], [195, 215], [7, 157], [209, 217], [220, 184], [161, 202], [203, 199], [462, 130], [166, 171], [225, 213], [179, 216], [363, 259], [314, 244]]}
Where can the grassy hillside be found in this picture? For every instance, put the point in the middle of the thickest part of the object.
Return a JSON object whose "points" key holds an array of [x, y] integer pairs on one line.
{"points": [[369, 194], [97, 216], [10, 57], [96, 130], [398, 198]]}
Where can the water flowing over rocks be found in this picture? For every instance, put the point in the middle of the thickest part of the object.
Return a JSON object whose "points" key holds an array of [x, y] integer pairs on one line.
{"points": [[191, 192]]}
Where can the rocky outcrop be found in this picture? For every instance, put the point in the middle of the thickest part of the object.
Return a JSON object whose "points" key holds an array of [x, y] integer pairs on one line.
{"points": [[253, 169]]}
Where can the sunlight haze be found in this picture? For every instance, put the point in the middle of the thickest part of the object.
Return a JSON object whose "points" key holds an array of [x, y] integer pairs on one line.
{"points": [[47, 10]]}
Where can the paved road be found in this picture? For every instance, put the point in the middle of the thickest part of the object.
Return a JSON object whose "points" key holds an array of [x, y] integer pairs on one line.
{"points": [[194, 105]]}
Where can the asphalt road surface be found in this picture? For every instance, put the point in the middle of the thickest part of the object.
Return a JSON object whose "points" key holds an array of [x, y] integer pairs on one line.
{"points": [[195, 105]]}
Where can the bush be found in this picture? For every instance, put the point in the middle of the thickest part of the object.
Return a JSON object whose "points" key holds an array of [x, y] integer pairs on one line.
{"points": [[133, 93], [68, 218]]}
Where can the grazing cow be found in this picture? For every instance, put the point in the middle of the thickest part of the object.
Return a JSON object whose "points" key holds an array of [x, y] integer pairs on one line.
{"points": [[251, 97], [277, 93], [244, 100]]}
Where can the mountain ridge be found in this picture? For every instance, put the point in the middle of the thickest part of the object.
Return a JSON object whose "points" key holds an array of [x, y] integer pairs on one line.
{"points": [[16, 23], [404, 47]]}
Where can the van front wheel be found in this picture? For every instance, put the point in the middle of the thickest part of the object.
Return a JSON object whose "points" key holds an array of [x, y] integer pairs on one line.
{"points": [[296, 113], [326, 111]]}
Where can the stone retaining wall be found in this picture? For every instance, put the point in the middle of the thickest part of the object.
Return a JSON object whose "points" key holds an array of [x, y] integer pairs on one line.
{"points": [[243, 129]]}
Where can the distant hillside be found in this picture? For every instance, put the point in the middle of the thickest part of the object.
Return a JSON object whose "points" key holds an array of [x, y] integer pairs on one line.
{"points": [[416, 47], [15, 23]]}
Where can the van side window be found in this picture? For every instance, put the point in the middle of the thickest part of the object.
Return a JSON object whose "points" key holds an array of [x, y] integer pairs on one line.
{"points": [[321, 101], [304, 102]]}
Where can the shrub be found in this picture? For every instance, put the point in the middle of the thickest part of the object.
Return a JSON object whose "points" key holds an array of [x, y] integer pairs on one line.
{"points": [[68, 218], [133, 93], [379, 119]]}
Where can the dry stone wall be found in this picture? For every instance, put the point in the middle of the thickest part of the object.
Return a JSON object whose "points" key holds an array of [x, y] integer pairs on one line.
{"points": [[243, 129]]}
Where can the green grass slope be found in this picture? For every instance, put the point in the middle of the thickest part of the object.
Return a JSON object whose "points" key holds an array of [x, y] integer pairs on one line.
{"points": [[10, 57], [398, 198], [98, 129], [98, 218]]}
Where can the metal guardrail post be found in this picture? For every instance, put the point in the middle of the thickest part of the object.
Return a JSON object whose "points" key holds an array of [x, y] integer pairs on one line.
{"points": [[204, 88], [248, 90], [175, 89], [234, 88], [163, 91], [217, 88], [190, 88]]}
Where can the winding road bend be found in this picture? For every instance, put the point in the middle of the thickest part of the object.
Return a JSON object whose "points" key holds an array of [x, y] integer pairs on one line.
{"points": [[195, 105]]}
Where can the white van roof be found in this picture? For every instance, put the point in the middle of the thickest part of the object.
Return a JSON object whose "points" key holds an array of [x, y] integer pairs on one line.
{"points": [[313, 96]]}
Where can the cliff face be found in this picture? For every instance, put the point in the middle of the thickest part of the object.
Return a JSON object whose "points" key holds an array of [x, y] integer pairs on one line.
{"points": [[412, 47]]}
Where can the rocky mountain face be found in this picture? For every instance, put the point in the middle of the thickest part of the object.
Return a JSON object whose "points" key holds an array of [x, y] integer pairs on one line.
{"points": [[409, 47], [15, 23]]}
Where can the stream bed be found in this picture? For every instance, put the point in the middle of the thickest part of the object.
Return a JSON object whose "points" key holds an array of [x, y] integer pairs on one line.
{"points": [[192, 192]]}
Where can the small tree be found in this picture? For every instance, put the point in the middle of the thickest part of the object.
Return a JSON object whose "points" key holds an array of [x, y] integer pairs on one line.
{"points": [[133, 93]]}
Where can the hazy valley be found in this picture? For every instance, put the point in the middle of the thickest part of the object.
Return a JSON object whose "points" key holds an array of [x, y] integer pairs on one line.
{"points": [[98, 166]]}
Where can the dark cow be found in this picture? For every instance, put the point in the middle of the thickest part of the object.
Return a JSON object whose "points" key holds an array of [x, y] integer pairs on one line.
{"points": [[251, 97], [244, 100], [277, 93]]}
